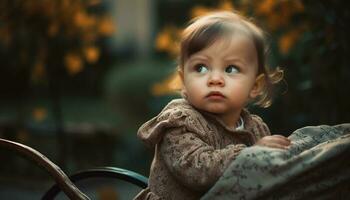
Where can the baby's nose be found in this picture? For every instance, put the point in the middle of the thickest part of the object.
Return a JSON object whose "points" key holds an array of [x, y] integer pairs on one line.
{"points": [[216, 79]]}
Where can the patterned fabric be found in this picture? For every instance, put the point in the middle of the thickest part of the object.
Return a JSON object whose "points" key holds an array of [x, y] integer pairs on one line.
{"points": [[192, 149], [317, 166]]}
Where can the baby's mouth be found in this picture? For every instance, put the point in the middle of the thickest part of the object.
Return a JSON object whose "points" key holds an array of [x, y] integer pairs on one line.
{"points": [[215, 95]]}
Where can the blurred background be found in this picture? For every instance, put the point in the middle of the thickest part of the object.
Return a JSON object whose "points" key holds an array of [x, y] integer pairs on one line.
{"points": [[78, 77]]}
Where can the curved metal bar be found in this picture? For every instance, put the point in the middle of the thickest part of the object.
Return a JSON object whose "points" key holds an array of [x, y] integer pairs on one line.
{"points": [[60, 177], [107, 172]]}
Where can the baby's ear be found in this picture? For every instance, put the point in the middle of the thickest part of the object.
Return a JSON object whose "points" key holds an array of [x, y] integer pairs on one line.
{"points": [[181, 74], [183, 89], [258, 86]]}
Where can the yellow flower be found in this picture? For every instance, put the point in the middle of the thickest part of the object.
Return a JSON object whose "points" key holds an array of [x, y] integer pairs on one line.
{"points": [[38, 71], [170, 85], [298, 6], [106, 26], [73, 63], [39, 114], [83, 20], [286, 42], [92, 54], [265, 7], [278, 13], [226, 5], [167, 40], [199, 11], [53, 29], [163, 40], [275, 20]]}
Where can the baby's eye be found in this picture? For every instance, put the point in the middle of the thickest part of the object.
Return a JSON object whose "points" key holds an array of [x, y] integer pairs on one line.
{"points": [[231, 69], [201, 68]]}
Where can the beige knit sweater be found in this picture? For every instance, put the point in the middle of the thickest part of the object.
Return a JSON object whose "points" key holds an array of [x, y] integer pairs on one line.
{"points": [[192, 149]]}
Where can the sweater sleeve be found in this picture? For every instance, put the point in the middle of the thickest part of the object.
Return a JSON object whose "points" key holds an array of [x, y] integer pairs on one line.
{"points": [[260, 128], [194, 163]]}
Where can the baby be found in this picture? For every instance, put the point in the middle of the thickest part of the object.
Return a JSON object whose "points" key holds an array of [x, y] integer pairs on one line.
{"points": [[222, 66]]}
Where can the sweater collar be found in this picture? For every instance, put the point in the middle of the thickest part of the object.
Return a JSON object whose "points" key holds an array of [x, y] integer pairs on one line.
{"points": [[243, 124], [245, 116]]}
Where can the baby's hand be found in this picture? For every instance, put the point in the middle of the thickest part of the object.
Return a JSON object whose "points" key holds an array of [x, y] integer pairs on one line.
{"points": [[274, 141]]}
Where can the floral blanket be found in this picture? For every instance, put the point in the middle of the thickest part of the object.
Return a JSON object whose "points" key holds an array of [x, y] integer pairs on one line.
{"points": [[316, 166]]}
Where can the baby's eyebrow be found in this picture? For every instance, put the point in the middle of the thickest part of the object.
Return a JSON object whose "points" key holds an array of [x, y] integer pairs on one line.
{"points": [[199, 58], [234, 59]]}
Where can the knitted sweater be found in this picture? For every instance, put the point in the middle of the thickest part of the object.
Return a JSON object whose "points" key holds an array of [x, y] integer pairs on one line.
{"points": [[192, 149]]}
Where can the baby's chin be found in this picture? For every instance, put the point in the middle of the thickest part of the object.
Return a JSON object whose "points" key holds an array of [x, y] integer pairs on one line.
{"points": [[214, 109]]}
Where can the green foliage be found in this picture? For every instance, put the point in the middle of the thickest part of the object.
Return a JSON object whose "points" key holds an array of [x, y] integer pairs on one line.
{"points": [[128, 87]]}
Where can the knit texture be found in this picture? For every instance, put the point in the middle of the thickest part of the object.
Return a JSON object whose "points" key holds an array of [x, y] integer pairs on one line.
{"points": [[192, 149]]}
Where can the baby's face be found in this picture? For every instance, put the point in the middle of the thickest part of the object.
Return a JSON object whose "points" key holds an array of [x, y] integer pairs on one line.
{"points": [[221, 78]]}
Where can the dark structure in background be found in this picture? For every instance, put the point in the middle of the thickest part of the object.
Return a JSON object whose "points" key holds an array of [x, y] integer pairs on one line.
{"points": [[317, 69]]}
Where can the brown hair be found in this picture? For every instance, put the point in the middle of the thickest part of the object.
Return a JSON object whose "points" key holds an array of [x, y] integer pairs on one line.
{"points": [[205, 30]]}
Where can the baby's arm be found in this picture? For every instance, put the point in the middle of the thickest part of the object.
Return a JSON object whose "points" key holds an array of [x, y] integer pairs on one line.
{"points": [[194, 162], [264, 137]]}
